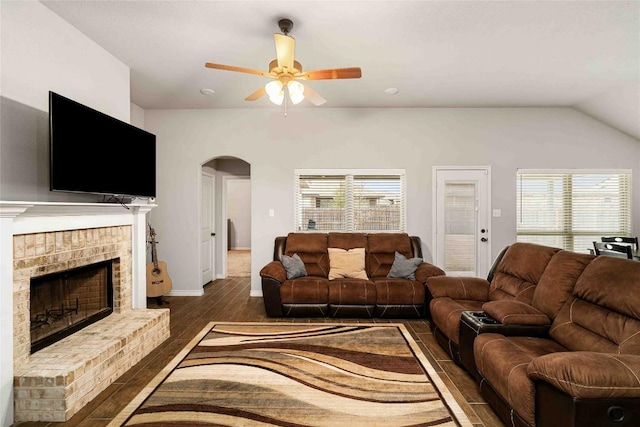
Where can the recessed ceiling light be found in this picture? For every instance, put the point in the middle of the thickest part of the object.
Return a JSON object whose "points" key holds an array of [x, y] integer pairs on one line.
{"points": [[391, 90], [206, 91]]}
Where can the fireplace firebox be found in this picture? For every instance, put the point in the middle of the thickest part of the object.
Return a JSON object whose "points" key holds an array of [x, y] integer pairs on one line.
{"points": [[65, 302]]}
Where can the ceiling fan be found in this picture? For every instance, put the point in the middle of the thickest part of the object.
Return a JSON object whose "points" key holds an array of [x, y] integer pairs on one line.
{"points": [[286, 72]]}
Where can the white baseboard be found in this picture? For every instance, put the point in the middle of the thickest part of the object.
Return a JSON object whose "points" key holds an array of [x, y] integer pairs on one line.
{"points": [[255, 293], [240, 248], [219, 276], [181, 293]]}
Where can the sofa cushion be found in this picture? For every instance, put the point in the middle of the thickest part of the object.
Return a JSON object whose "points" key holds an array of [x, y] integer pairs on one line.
{"points": [[589, 375], [404, 268], [382, 250], [519, 271], [446, 312], [347, 240], [503, 362], [347, 263], [294, 266], [352, 291], [305, 290], [456, 287], [613, 284], [604, 313], [558, 280], [510, 312], [312, 249], [391, 291]]}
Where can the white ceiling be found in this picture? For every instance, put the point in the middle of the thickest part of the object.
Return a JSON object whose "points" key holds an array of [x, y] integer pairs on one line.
{"points": [[437, 53]]}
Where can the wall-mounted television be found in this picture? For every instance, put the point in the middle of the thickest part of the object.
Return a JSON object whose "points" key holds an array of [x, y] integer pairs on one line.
{"points": [[91, 152]]}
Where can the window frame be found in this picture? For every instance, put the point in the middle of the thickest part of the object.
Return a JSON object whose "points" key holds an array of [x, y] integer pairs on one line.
{"points": [[349, 175], [568, 233]]}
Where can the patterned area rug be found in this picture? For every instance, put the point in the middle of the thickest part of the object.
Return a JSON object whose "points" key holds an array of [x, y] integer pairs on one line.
{"points": [[264, 374]]}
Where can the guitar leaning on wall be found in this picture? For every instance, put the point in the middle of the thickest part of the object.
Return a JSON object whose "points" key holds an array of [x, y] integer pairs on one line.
{"points": [[158, 281]]}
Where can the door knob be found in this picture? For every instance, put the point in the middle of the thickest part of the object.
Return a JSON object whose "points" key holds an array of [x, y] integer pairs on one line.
{"points": [[213, 234], [484, 239]]}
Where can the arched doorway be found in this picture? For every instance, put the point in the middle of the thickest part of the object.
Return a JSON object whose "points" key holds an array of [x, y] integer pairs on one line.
{"points": [[230, 206]]}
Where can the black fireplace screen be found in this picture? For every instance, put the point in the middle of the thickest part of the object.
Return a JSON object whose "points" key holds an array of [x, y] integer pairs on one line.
{"points": [[65, 302]]}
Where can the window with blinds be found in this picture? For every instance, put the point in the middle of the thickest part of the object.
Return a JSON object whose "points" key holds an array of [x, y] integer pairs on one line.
{"points": [[354, 200], [570, 210]]}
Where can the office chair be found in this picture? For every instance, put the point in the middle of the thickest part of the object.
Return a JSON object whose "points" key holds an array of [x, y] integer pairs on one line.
{"points": [[612, 249]]}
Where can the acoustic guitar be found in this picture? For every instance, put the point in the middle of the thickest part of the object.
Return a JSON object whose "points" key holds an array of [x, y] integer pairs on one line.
{"points": [[158, 281]]}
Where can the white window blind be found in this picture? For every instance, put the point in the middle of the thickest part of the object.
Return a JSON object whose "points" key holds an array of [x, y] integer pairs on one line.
{"points": [[460, 227], [350, 201], [570, 210]]}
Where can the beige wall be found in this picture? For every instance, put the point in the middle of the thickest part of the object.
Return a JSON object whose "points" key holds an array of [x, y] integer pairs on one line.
{"points": [[319, 138]]}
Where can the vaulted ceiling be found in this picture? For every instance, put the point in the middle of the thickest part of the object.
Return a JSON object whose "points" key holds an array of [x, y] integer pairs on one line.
{"points": [[582, 54]]}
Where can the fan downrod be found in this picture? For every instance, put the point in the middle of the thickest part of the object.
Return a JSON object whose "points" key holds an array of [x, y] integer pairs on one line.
{"points": [[285, 26]]}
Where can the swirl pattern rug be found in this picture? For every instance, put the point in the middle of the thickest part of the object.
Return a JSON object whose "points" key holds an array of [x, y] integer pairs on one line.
{"points": [[294, 374]]}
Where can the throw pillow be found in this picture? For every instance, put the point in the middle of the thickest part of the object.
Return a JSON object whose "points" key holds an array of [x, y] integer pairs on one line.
{"points": [[403, 267], [346, 263], [294, 266]]}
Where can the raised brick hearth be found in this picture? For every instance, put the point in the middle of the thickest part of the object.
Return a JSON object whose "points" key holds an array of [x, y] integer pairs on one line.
{"points": [[55, 382]]}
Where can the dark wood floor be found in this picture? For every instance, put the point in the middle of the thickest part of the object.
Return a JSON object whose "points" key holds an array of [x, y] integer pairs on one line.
{"points": [[228, 300]]}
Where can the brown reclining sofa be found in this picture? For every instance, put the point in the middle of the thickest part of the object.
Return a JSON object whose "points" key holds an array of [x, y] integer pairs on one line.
{"points": [[553, 338], [314, 295]]}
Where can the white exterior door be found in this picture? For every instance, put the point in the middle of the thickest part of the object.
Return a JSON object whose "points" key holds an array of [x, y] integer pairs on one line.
{"points": [[462, 207], [206, 228]]}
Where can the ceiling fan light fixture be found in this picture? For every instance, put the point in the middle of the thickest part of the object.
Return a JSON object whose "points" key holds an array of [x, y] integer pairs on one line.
{"points": [[275, 91], [296, 91]]}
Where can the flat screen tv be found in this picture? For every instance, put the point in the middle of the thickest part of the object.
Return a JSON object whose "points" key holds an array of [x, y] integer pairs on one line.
{"points": [[91, 152]]}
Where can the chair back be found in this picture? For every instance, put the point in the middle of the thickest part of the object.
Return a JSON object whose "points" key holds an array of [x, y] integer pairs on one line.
{"points": [[612, 249], [622, 240]]}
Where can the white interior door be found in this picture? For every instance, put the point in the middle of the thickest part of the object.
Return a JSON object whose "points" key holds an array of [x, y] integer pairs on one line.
{"points": [[207, 229], [462, 235]]}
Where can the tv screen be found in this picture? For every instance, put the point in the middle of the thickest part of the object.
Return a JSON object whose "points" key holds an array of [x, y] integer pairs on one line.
{"points": [[91, 152]]}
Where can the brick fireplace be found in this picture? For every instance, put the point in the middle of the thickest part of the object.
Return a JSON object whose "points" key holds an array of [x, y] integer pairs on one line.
{"points": [[55, 382]]}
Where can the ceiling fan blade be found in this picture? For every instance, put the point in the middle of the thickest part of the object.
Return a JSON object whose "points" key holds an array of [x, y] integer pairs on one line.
{"points": [[285, 46], [234, 68], [313, 96], [256, 95], [332, 73]]}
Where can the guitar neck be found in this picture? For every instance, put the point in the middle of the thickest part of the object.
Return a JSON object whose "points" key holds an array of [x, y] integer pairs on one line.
{"points": [[154, 254]]}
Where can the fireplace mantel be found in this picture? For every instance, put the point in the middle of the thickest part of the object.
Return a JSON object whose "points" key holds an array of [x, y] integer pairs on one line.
{"points": [[34, 217]]}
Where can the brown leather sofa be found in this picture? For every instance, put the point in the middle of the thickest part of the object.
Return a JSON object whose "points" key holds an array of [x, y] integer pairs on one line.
{"points": [[567, 356], [513, 277], [314, 295]]}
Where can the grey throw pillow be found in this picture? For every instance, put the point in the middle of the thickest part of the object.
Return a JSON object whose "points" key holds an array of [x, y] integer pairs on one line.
{"points": [[403, 267], [294, 266]]}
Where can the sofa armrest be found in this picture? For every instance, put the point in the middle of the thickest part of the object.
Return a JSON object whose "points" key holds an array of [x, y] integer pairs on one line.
{"points": [[589, 375], [426, 270], [461, 288], [509, 312], [272, 274], [274, 270]]}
